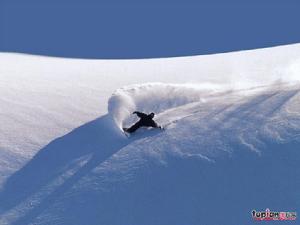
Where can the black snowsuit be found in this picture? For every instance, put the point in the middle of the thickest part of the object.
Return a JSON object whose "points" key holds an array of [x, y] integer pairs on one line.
{"points": [[145, 121]]}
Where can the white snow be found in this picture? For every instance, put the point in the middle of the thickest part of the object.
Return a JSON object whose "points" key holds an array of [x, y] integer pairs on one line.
{"points": [[231, 142]]}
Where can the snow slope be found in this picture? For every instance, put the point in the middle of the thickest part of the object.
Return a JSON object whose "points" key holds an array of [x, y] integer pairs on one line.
{"points": [[231, 142]]}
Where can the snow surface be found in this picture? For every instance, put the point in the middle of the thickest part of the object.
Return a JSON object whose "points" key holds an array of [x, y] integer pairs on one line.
{"points": [[231, 142]]}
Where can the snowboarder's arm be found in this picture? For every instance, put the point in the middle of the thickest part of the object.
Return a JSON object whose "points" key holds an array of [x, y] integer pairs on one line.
{"points": [[139, 114]]}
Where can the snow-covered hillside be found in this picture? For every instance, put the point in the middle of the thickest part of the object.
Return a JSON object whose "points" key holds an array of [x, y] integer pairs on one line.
{"points": [[231, 142]]}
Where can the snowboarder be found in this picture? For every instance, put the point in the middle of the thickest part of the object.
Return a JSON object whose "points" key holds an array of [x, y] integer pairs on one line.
{"points": [[145, 121]]}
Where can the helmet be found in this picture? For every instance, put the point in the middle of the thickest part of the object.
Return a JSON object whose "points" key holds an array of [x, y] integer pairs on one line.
{"points": [[152, 115]]}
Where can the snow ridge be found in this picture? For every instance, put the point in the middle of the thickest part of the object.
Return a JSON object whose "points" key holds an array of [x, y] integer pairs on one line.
{"points": [[231, 142]]}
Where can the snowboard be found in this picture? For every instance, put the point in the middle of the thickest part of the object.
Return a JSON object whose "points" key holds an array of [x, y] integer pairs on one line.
{"points": [[125, 131]]}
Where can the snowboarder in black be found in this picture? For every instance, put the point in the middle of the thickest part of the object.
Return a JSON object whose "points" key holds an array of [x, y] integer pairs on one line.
{"points": [[145, 121]]}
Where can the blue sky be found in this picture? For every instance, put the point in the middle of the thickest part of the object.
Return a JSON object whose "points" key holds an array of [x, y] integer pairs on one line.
{"points": [[145, 29]]}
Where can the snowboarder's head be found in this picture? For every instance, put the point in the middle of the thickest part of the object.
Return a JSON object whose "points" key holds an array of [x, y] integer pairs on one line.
{"points": [[152, 115]]}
